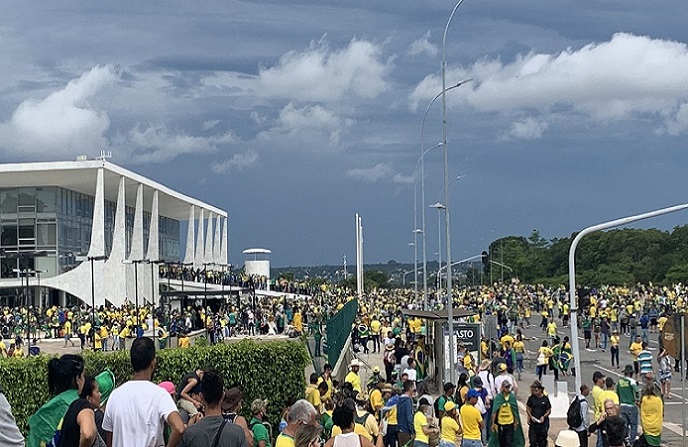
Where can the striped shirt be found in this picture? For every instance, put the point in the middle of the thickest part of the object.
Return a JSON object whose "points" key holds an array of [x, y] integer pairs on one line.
{"points": [[645, 361]]}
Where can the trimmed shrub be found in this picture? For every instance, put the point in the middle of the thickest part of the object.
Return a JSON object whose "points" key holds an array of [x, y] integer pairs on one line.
{"points": [[265, 370]]}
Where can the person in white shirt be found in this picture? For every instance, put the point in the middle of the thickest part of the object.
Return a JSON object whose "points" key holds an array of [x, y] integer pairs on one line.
{"points": [[504, 376], [136, 412], [411, 370]]}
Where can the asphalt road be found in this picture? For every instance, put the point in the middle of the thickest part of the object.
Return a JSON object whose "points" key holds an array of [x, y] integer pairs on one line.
{"points": [[596, 359]]}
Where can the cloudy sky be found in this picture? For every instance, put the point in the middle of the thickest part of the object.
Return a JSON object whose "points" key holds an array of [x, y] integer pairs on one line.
{"points": [[294, 115]]}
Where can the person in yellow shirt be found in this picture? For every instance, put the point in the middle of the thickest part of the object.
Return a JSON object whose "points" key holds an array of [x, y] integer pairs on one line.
{"points": [[297, 322], [184, 341], [450, 425], [635, 349], [376, 402], [97, 341], [375, 328], [597, 392], [610, 392], [421, 425], [352, 377], [505, 422], [67, 333], [17, 352], [104, 336], [614, 341], [326, 377], [3, 349], [123, 334], [313, 394], [651, 416]]}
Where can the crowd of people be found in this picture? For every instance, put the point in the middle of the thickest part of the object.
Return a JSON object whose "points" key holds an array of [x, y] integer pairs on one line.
{"points": [[480, 408]]}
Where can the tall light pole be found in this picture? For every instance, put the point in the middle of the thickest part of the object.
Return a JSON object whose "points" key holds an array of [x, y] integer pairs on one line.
{"points": [[136, 263], [572, 271], [439, 208], [447, 222], [415, 262], [422, 179]]}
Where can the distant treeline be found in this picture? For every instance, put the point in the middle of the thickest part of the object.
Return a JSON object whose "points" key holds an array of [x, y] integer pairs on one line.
{"points": [[615, 257]]}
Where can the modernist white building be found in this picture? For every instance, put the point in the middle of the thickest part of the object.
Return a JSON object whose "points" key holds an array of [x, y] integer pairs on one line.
{"points": [[56, 215]]}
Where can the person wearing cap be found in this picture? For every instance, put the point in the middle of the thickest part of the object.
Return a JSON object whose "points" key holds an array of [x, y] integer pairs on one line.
{"points": [[448, 396], [376, 402], [261, 436], [352, 377], [449, 425], [372, 381], [472, 422], [538, 409], [421, 425], [503, 377], [505, 422]]}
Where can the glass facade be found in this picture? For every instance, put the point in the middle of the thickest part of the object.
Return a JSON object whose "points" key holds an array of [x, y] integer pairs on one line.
{"points": [[57, 222]]}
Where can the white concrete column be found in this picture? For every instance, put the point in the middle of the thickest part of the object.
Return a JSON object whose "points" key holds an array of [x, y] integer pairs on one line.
{"points": [[217, 241], [208, 253], [154, 250], [200, 248], [189, 255], [136, 252], [223, 247], [115, 273]]}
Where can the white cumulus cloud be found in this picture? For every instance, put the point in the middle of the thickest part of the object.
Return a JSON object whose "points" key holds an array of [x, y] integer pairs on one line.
{"points": [[237, 162], [321, 74], [66, 123], [380, 171], [155, 143], [624, 78], [527, 129], [423, 45], [312, 125]]}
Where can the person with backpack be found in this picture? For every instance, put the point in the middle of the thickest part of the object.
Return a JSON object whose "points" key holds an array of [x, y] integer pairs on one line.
{"points": [[261, 435], [577, 415], [448, 396], [213, 430]]}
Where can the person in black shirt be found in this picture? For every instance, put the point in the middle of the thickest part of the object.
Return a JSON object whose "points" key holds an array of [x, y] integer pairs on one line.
{"points": [[613, 427], [538, 408], [83, 422]]}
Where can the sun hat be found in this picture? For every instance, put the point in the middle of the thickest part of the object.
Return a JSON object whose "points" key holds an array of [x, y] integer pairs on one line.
{"points": [[355, 362], [389, 347], [567, 438], [628, 369], [258, 405], [167, 386], [485, 364], [423, 401], [502, 366], [232, 397], [106, 383], [376, 369]]}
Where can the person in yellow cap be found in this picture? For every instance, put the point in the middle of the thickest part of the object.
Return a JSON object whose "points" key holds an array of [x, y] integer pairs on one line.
{"points": [[450, 425]]}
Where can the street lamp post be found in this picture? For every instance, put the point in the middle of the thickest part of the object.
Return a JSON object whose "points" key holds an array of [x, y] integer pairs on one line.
{"points": [[92, 259], [422, 178], [572, 271], [447, 222], [439, 208], [136, 263]]}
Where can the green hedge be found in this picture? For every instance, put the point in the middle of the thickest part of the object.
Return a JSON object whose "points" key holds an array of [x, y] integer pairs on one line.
{"points": [[266, 370]]}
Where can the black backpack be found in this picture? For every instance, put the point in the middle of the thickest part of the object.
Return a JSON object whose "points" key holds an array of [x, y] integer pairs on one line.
{"points": [[573, 415]]}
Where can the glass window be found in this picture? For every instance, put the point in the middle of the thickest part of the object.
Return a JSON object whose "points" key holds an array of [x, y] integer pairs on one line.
{"points": [[46, 234], [8, 202], [45, 200], [27, 228], [8, 235]]}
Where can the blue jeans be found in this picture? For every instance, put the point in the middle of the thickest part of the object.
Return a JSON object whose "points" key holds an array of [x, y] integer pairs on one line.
{"points": [[644, 335], [468, 443], [605, 338], [630, 414]]}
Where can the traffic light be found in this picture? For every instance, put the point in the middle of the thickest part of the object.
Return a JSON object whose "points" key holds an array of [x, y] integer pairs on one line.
{"points": [[486, 262]]}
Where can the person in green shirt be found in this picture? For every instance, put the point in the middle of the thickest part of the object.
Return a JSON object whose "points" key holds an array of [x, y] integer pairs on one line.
{"points": [[261, 435]]}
